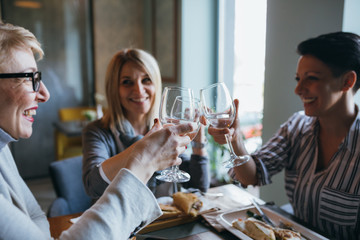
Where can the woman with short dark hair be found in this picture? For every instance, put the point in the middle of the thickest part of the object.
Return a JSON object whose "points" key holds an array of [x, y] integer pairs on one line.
{"points": [[318, 148]]}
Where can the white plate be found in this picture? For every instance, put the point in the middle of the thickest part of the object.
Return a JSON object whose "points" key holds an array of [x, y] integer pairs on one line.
{"points": [[226, 219]]}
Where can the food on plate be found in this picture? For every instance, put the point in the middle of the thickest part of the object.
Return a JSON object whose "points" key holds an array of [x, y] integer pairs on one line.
{"points": [[189, 203], [286, 234], [169, 211], [255, 229], [183, 204], [259, 230]]}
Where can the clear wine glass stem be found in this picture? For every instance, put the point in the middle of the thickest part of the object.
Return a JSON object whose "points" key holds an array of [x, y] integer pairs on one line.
{"points": [[175, 187], [179, 176], [175, 168], [234, 159], [232, 153]]}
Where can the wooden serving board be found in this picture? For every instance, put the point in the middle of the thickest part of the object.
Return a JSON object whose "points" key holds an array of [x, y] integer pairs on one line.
{"points": [[166, 223]]}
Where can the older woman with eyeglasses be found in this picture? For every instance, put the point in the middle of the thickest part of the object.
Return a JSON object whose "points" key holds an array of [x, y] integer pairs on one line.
{"points": [[117, 213]]}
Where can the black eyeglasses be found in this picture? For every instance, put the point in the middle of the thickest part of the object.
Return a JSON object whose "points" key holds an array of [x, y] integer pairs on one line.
{"points": [[35, 78]]}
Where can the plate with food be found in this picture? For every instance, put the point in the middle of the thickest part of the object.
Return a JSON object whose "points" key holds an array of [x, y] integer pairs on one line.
{"points": [[179, 209], [246, 223]]}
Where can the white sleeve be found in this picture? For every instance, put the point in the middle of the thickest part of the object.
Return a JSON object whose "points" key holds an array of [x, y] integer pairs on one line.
{"points": [[17, 225], [127, 205]]}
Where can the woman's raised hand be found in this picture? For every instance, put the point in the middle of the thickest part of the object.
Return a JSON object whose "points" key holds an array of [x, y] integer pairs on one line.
{"points": [[233, 131], [159, 149]]}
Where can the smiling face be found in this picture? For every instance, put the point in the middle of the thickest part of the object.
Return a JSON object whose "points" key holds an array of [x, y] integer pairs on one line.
{"points": [[18, 101], [320, 91], [136, 90]]}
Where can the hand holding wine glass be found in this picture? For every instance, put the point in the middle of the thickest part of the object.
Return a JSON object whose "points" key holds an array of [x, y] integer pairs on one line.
{"points": [[185, 110], [177, 106], [219, 110]]}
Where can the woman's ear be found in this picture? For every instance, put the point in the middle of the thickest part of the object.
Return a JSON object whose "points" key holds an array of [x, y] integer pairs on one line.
{"points": [[349, 80]]}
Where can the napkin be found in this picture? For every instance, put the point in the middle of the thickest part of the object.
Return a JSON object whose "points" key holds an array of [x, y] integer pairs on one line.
{"points": [[74, 220], [230, 199]]}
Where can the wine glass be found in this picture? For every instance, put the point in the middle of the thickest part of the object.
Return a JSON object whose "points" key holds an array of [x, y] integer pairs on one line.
{"points": [[219, 110], [177, 107]]}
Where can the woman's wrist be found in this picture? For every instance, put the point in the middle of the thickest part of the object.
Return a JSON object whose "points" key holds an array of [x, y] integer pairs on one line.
{"points": [[199, 145], [199, 148]]}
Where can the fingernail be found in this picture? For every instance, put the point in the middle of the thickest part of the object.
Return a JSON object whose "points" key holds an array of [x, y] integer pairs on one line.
{"points": [[155, 121], [185, 147]]}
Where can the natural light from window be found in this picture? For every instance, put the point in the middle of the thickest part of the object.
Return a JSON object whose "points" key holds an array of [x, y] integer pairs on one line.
{"points": [[249, 67]]}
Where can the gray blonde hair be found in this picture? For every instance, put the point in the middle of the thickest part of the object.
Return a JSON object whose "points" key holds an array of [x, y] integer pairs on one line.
{"points": [[114, 115], [16, 38]]}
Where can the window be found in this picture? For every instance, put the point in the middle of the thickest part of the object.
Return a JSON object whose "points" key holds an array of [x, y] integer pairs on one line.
{"points": [[249, 67], [242, 33]]}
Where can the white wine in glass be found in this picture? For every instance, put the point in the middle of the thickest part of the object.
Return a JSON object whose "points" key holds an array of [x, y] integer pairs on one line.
{"points": [[219, 110]]}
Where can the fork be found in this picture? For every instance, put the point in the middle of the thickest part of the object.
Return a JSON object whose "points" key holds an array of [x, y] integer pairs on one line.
{"points": [[262, 214]]}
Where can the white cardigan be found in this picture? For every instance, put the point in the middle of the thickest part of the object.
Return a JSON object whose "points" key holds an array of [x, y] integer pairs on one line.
{"points": [[126, 206]]}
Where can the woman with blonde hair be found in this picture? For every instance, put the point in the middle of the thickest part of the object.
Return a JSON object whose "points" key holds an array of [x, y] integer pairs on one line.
{"points": [[133, 92], [115, 116], [115, 215]]}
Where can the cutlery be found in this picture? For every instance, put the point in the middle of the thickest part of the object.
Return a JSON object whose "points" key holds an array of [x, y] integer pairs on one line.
{"points": [[268, 220], [262, 214]]}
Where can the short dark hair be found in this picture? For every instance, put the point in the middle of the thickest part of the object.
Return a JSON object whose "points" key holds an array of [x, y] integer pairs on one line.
{"points": [[339, 50]]}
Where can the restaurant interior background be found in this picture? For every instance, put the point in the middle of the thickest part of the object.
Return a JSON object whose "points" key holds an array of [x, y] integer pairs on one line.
{"points": [[197, 42]]}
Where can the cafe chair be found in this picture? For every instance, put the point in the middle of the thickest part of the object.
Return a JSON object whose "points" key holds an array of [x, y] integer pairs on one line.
{"points": [[67, 146], [66, 177], [70, 146], [74, 113]]}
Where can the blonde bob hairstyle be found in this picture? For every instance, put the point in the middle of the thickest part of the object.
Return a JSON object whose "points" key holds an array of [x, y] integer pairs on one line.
{"points": [[115, 113], [16, 38]]}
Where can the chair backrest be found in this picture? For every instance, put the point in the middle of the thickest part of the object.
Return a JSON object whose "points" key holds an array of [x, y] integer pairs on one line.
{"points": [[73, 113], [67, 146], [66, 176]]}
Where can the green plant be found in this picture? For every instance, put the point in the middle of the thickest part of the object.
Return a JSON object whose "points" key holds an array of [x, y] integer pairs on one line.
{"points": [[217, 153], [90, 115]]}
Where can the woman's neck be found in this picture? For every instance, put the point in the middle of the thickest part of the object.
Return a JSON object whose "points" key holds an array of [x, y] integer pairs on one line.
{"points": [[139, 124], [339, 122]]}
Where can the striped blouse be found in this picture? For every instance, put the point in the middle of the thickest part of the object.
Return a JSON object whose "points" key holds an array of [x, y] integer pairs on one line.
{"points": [[329, 199]]}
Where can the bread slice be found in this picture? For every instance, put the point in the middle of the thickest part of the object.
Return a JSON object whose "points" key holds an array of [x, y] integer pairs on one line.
{"points": [[255, 229], [169, 211], [187, 202], [286, 234]]}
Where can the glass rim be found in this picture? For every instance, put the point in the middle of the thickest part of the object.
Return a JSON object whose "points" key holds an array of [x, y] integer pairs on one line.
{"points": [[177, 88], [212, 85]]}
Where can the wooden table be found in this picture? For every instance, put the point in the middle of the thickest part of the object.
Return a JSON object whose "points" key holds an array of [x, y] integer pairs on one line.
{"points": [[61, 223], [233, 197]]}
